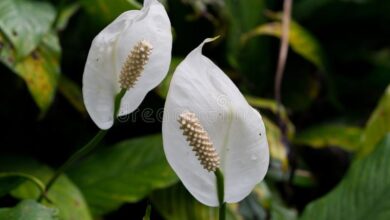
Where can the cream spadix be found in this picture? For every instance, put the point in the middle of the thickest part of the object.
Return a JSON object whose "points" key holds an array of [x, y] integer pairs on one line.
{"points": [[131, 53], [202, 93], [199, 140]]}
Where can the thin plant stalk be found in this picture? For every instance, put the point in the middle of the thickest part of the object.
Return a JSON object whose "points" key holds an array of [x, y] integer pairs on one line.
{"points": [[221, 193], [85, 150], [283, 49]]}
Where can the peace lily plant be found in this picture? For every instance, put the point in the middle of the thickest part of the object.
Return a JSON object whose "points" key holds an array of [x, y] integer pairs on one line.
{"points": [[213, 139], [131, 55], [126, 60]]}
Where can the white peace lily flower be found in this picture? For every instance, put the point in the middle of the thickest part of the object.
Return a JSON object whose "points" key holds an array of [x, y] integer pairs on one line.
{"points": [[131, 53], [208, 124]]}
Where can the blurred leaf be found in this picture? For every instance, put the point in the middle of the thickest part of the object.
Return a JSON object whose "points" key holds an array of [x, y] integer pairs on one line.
{"points": [[65, 14], [300, 40], [25, 23], [335, 135], [271, 105], [377, 126], [72, 92], [28, 210], [162, 89], [300, 95], [252, 59], [64, 194], [8, 183], [10, 180], [105, 11], [251, 209], [147, 213], [303, 178], [281, 212], [126, 172], [263, 198], [362, 194], [175, 203], [40, 70], [276, 146]]}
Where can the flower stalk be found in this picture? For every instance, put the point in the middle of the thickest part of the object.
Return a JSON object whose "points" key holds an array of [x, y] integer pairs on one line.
{"points": [[221, 193], [85, 150]]}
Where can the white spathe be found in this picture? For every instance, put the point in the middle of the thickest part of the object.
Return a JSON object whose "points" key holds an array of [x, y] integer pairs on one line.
{"points": [[235, 128], [108, 53]]}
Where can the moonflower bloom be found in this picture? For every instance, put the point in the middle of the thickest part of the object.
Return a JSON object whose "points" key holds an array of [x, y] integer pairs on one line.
{"points": [[132, 53], [208, 125]]}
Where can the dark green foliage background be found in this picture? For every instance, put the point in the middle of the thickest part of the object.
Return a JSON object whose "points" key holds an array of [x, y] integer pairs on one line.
{"points": [[329, 148]]}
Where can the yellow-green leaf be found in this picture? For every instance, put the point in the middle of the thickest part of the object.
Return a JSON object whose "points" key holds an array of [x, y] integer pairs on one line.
{"points": [[300, 40], [335, 135], [377, 126], [272, 106], [40, 70], [277, 148]]}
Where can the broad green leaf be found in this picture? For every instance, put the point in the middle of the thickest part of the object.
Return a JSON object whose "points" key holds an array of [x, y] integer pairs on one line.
{"points": [[28, 210], [64, 194], [335, 135], [105, 11], [300, 40], [162, 89], [10, 180], [40, 70], [175, 203], [362, 194], [126, 172], [243, 16], [72, 92], [377, 126], [277, 148], [25, 23]]}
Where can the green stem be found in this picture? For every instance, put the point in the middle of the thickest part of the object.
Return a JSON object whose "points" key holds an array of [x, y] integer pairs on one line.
{"points": [[26, 176], [221, 193], [84, 150], [75, 157], [118, 99]]}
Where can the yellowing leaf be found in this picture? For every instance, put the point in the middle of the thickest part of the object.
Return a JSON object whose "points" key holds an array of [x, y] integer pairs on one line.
{"points": [[40, 70], [377, 126], [300, 40], [276, 146], [342, 136]]}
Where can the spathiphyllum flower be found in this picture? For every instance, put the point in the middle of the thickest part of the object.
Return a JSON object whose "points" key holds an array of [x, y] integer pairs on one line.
{"points": [[132, 53], [208, 125]]}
